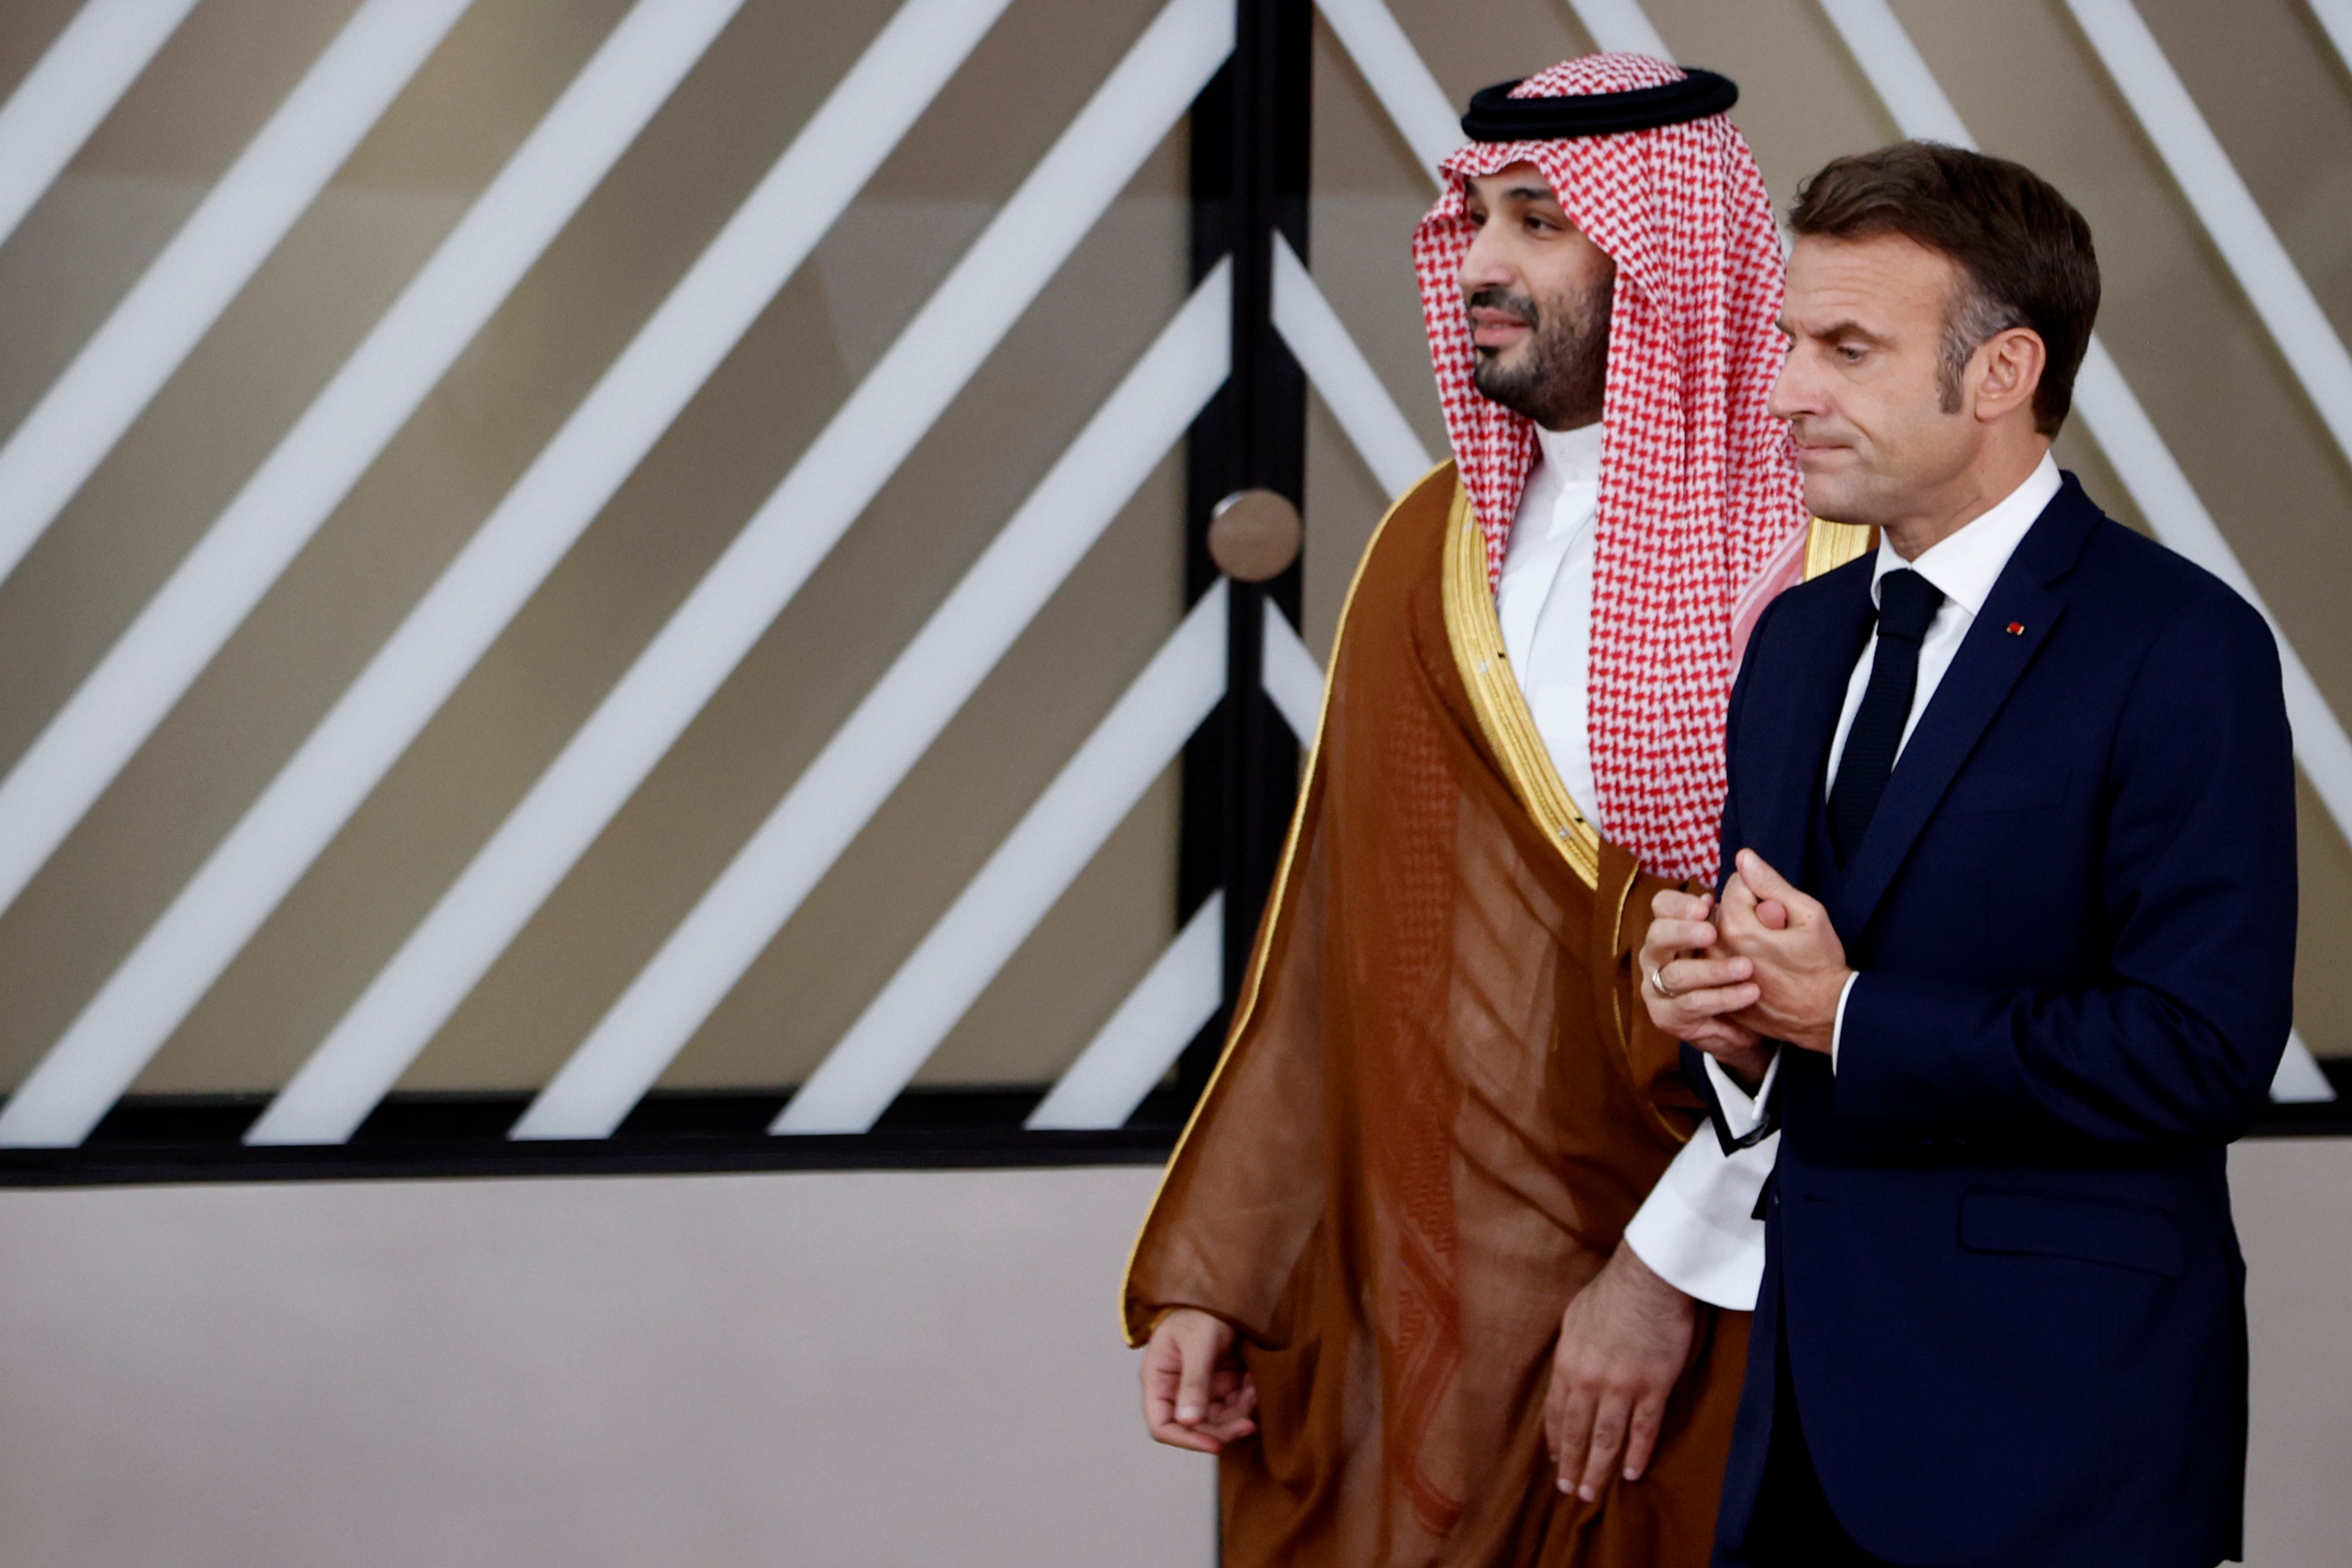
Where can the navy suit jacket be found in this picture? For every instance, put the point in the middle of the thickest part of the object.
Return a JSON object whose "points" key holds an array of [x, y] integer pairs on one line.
{"points": [[1999, 1258]]}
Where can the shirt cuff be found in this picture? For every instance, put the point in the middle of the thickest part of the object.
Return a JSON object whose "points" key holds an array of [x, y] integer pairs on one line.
{"points": [[1697, 1230], [1741, 1110], [1837, 1024]]}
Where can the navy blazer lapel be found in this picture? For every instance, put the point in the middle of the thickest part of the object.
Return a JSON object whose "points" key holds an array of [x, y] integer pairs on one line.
{"points": [[1982, 674], [1776, 827]]}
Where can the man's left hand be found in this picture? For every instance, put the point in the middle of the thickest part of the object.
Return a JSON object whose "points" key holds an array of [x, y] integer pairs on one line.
{"points": [[1623, 1344], [1800, 963]]}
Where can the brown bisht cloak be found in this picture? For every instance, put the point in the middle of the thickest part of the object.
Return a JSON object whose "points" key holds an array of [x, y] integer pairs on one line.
{"points": [[1440, 1103]]}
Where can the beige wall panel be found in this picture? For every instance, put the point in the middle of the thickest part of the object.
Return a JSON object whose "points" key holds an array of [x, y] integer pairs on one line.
{"points": [[736, 1370], [1367, 192], [27, 28], [2296, 1230], [78, 251], [2323, 979], [211, 86], [724, 1371], [1080, 962], [1467, 46], [187, 455], [903, 871], [2278, 97], [940, 825], [506, 396], [844, 629], [672, 519], [184, 458], [1344, 504], [1802, 101], [183, 122]]}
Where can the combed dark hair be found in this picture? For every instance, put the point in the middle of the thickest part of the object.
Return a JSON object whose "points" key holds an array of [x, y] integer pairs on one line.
{"points": [[2024, 249]]}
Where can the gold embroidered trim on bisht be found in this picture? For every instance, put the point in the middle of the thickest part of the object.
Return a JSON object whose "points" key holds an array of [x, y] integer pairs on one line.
{"points": [[1245, 1004], [1476, 634], [1830, 545]]}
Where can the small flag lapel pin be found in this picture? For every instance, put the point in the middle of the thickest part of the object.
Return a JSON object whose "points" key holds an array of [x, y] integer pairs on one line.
{"points": [[2017, 628]]}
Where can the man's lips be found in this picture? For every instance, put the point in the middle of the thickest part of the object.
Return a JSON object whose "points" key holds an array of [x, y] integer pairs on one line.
{"points": [[1492, 328], [1816, 451]]}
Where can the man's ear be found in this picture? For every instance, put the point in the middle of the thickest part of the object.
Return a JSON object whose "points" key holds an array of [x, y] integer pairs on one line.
{"points": [[2011, 364]]}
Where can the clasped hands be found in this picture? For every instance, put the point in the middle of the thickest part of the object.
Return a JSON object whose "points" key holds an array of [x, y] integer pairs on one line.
{"points": [[1764, 964], [1767, 965]]}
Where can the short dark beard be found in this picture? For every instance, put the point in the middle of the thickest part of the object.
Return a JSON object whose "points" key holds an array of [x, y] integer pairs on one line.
{"points": [[1560, 379]]}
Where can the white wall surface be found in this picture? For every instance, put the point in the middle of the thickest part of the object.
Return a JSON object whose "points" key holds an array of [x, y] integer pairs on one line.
{"points": [[2294, 1218], [873, 1370], [877, 1370]]}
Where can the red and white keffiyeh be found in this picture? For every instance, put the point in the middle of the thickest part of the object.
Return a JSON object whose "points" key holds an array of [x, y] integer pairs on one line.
{"points": [[1702, 516]]}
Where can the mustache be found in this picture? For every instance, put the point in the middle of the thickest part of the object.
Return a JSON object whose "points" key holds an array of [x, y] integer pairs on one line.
{"points": [[1518, 307]]}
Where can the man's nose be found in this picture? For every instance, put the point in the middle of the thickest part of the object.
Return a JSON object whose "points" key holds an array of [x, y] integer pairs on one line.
{"points": [[1484, 266], [1792, 392]]}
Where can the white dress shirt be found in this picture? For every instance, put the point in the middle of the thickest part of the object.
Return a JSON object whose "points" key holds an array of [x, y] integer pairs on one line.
{"points": [[1696, 1229], [1962, 566]]}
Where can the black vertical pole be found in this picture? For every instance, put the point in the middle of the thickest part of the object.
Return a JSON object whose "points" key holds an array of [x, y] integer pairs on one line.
{"points": [[1250, 167]]}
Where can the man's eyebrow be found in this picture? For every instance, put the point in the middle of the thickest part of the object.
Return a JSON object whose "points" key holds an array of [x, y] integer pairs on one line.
{"points": [[1530, 193], [1847, 329]]}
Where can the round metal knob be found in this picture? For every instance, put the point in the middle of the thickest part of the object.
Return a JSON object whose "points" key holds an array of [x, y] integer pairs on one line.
{"points": [[1254, 535]]}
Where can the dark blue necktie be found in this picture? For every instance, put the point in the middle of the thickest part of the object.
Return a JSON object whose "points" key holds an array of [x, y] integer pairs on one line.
{"points": [[1907, 603]]}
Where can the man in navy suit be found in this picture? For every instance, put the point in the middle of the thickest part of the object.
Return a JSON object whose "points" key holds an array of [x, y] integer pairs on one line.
{"points": [[2010, 946]]}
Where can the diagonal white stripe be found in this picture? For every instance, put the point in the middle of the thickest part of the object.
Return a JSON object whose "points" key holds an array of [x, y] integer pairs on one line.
{"points": [[1621, 25], [2335, 16], [2112, 412], [1898, 73], [1292, 677], [1036, 864], [874, 749], [2298, 1081], [1134, 1050], [2297, 324], [1349, 385], [184, 290], [1408, 94], [2173, 509], [71, 89], [446, 632], [1414, 101], [157, 658], [748, 586]]}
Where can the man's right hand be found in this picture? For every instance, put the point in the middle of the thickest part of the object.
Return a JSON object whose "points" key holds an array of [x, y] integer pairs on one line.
{"points": [[1196, 1394], [1690, 985], [1624, 1341]]}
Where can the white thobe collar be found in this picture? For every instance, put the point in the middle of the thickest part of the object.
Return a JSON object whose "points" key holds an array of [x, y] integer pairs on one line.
{"points": [[1545, 602], [1571, 456]]}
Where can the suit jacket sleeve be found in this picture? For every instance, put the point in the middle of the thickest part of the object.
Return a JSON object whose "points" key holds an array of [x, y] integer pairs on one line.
{"points": [[2181, 1037]]}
